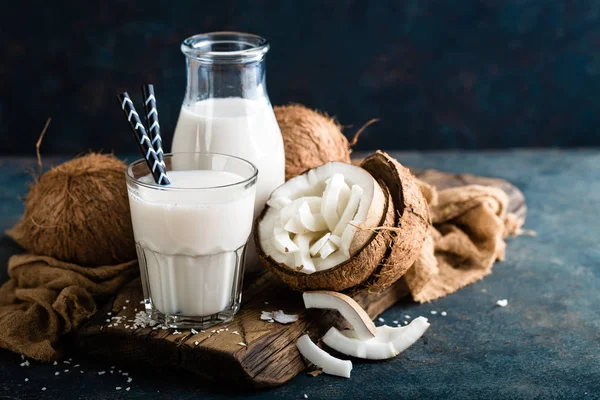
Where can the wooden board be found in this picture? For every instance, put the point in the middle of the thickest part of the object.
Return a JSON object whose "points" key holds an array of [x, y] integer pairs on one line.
{"points": [[270, 357]]}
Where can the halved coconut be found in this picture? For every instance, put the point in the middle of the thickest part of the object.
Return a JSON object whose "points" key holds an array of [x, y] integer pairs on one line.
{"points": [[295, 232], [412, 218]]}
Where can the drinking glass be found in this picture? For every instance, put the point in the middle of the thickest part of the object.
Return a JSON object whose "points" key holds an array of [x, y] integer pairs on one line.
{"points": [[191, 236]]}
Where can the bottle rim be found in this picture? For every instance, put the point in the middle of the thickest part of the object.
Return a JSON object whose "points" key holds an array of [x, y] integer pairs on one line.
{"points": [[225, 47]]}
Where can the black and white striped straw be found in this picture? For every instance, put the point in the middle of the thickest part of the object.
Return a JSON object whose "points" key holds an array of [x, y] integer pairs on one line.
{"points": [[152, 119], [156, 166]]}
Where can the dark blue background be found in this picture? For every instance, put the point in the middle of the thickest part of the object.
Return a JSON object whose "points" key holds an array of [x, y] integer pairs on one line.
{"points": [[439, 74]]}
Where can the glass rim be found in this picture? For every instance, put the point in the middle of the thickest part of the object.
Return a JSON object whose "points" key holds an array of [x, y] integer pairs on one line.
{"points": [[193, 47], [155, 186]]}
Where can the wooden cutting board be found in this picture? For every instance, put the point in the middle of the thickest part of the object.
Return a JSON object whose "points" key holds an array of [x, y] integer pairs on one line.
{"points": [[247, 351]]}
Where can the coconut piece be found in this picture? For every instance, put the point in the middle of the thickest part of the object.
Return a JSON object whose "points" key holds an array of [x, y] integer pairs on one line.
{"points": [[281, 240], [310, 139], [412, 218], [314, 223], [291, 209], [295, 226], [331, 197], [316, 247], [350, 210], [335, 239], [345, 305], [266, 315], [327, 249], [345, 192], [388, 343], [279, 202], [319, 357], [303, 261], [283, 318]]}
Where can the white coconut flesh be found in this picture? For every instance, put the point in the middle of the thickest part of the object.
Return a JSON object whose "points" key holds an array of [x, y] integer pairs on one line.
{"points": [[350, 310], [388, 342], [322, 359], [312, 220]]}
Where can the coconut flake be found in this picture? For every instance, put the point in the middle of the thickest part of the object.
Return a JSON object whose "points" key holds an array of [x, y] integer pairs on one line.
{"points": [[284, 318], [316, 247], [322, 359], [282, 241], [349, 211], [327, 249], [330, 200], [502, 303], [279, 202], [265, 315], [313, 223]]}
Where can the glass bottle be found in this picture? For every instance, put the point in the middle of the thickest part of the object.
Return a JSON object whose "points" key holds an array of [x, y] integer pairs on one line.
{"points": [[226, 108]]}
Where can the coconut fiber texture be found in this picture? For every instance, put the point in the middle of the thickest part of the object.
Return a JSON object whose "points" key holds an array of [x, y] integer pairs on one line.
{"points": [[46, 300], [79, 212], [310, 139], [467, 237]]}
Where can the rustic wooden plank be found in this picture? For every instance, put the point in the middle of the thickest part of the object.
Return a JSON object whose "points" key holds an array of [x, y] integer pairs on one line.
{"points": [[270, 357]]}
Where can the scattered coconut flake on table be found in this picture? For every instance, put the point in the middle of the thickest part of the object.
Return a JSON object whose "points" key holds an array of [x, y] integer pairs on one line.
{"points": [[433, 312], [502, 303], [380, 319], [443, 313], [284, 318], [265, 316]]}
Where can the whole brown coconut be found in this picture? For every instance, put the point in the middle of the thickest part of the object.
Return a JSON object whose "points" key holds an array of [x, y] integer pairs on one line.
{"points": [[412, 218], [79, 212], [310, 139]]}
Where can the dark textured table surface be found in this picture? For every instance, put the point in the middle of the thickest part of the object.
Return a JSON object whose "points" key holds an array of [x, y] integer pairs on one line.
{"points": [[544, 344]]}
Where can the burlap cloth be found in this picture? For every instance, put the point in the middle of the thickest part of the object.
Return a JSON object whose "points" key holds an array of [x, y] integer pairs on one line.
{"points": [[466, 238], [46, 299]]}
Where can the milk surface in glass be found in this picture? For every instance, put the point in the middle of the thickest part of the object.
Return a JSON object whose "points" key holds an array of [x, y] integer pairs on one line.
{"points": [[190, 240]]}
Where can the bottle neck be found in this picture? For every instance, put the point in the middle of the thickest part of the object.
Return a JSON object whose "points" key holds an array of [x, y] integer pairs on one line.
{"points": [[206, 80]]}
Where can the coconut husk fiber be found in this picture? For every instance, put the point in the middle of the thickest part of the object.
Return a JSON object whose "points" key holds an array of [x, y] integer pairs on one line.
{"points": [[79, 212], [466, 238], [47, 299]]}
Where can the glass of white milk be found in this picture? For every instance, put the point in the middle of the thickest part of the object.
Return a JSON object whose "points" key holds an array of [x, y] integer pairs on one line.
{"points": [[226, 108], [191, 236]]}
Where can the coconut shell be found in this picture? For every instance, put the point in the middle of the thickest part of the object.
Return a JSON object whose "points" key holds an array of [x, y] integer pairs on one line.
{"points": [[78, 212], [412, 218], [348, 274], [310, 139]]}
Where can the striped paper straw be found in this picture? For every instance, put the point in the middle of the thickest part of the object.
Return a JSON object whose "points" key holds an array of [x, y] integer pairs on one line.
{"points": [[152, 119], [157, 167]]}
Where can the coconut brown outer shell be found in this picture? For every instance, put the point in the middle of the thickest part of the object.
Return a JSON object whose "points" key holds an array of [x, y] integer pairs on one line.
{"points": [[412, 218], [343, 276], [310, 139], [79, 212]]}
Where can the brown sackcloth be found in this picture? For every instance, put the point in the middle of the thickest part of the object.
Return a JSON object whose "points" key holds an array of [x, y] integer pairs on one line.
{"points": [[46, 299], [467, 237]]}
